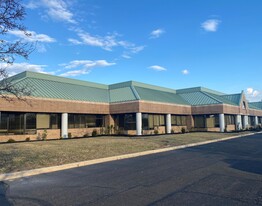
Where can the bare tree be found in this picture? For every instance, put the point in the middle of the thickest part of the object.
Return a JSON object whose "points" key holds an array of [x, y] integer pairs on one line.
{"points": [[12, 13]]}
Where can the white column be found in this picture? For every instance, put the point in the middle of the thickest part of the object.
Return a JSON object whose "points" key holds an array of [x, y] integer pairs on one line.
{"points": [[238, 122], [245, 122], [64, 125], [139, 123], [256, 121], [222, 122], [168, 123]]}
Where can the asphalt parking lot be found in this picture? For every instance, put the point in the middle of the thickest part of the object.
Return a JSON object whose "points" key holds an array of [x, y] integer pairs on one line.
{"points": [[223, 173]]}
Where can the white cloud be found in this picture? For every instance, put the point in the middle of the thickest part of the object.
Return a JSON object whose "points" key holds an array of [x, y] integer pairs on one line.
{"points": [[211, 25], [256, 93], [156, 33], [16, 68], [75, 41], [185, 72], [157, 68], [136, 49], [55, 9], [253, 95], [33, 36], [107, 42], [126, 56], [250, 90], [85, 66]]}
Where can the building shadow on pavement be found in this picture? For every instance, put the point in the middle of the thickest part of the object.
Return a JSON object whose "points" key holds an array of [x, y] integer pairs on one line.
{"points": [[252, 166]]}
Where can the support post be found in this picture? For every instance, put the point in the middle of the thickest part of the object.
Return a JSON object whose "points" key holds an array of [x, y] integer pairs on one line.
{"points": [[222, 122], [64, 125], [168, 123], [238, 122], [245, 122], [256, 121], [139, 123]]}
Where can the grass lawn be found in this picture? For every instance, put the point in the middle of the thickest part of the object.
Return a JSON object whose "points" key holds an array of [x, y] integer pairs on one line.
{"points": [[30, 155]]}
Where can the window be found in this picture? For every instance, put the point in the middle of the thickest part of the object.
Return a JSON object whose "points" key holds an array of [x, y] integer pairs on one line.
{"points": [[55, 121], [30, 123], [150, 121], [251, 120], [199, 121], [206, 121], [85, 120], [27, 123], [3, 122], [42, 121], [126, 121], [130, 122], [178, 120], [244, 105], [230, 119], [16, 123]]}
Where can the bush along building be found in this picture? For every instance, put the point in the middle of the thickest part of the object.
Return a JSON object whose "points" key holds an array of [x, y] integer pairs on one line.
{"points": [[66, 108]]}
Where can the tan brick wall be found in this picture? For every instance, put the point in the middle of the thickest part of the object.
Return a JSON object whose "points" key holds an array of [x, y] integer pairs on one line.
{"points": [[54, 106], [207, 109], [254, 112], [51, 134], [80, 132], [229, 109], [124, 107], [214, 129], [231, 127], [177, 129], [162, 108]]}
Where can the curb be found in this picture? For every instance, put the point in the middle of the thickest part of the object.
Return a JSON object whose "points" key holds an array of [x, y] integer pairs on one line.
{"points": [[27, 173]]}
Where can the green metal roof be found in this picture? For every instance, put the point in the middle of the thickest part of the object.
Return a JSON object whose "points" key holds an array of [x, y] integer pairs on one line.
{"points": [[59, 90], [199, 98], [49, 86], [122, 94], [159, 96], [198, 89], [255, 105], [234, 98]]}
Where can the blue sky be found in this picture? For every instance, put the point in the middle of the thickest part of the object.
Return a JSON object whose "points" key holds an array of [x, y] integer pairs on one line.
{"points": [[172, 43]]}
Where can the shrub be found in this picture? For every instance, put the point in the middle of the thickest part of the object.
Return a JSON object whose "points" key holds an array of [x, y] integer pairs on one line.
{"points": [[38, 136], [44, 135], [172, 131], [183, 130], [155, 131], [69, 135], [94, 133], [86, 135], [11, 140], [27, 139]]}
